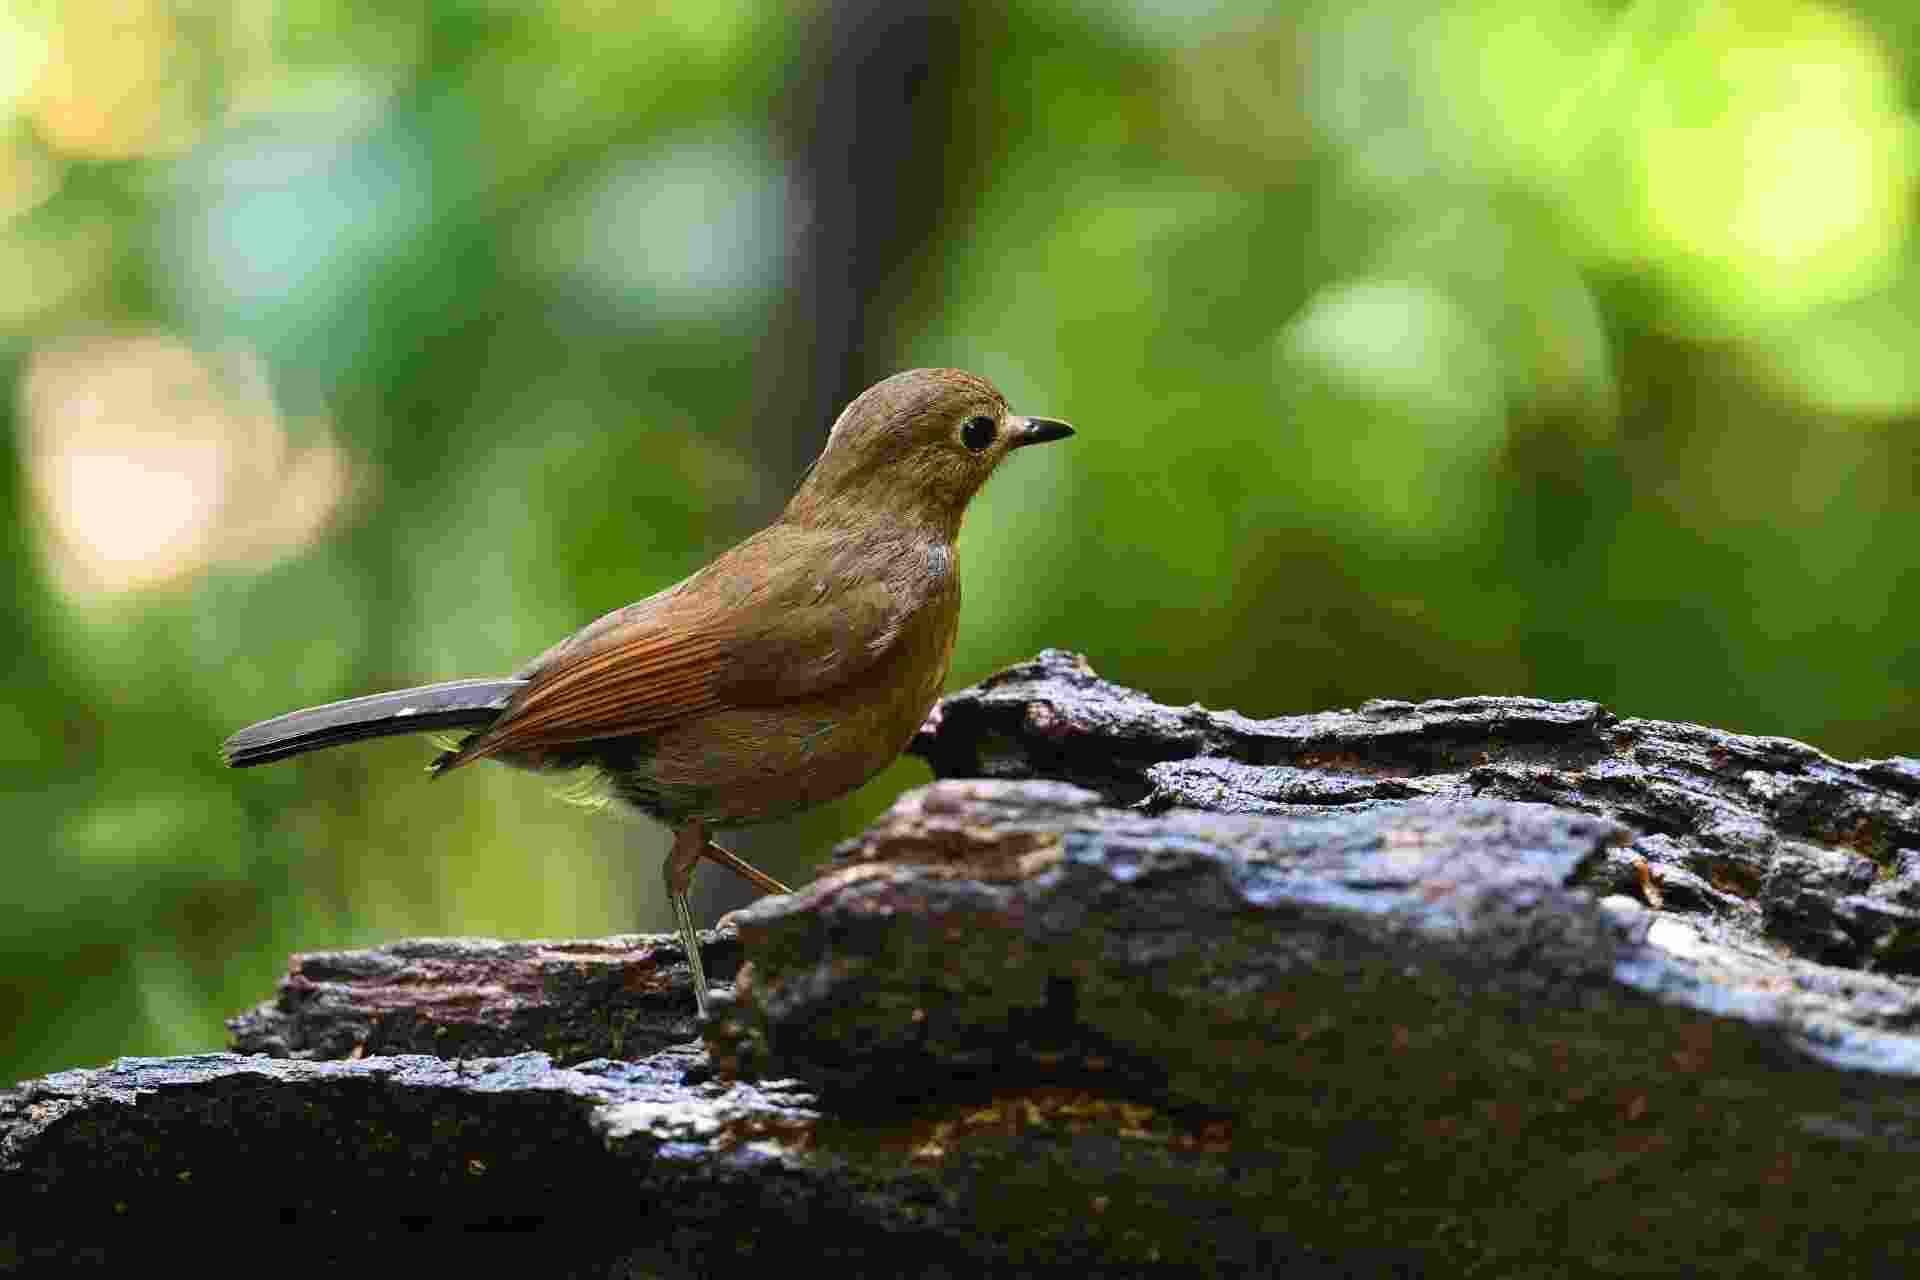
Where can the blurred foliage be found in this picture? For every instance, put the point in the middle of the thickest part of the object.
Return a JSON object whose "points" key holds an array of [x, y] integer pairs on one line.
{"points": [[1417, 350]]}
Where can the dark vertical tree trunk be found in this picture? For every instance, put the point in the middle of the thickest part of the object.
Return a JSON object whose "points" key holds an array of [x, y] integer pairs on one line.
{"points": [[868, 140]]}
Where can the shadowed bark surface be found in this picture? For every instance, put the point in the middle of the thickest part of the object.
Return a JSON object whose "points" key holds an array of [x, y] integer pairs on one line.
{"points": [[1485, 984], [474, 997]]}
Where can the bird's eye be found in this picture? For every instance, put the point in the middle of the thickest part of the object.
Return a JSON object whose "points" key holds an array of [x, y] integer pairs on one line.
{"points": [[977, 434]]}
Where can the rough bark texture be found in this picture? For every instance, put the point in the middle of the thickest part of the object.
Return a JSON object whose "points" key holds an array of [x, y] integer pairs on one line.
{"points": [[1782, 876], [474, 997], [1491, 985]]}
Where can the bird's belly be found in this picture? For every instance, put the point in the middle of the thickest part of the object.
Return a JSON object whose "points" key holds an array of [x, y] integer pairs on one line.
{"points": [[746, 765]]}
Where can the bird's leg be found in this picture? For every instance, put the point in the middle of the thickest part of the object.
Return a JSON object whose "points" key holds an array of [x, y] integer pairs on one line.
{"points": [[744, 869], [689, 843]]}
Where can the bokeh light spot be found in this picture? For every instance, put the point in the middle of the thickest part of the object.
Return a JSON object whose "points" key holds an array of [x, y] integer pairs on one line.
{"points": [[117, 81], [1773, 164], [692, 226], [1400, 342], [150, 462], [1420, 386]]}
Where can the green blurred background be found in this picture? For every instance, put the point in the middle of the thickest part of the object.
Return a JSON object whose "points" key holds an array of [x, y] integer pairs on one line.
{"points": [[1561, 349]]}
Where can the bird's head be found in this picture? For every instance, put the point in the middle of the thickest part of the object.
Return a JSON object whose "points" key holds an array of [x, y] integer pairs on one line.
{"points": [[915, 448]]}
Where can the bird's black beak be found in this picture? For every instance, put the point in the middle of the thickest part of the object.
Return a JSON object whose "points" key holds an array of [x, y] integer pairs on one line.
{"points": [[1038, 431]]}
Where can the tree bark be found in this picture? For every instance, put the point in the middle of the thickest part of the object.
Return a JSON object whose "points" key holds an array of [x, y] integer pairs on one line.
{"points": [[1478, 984]]}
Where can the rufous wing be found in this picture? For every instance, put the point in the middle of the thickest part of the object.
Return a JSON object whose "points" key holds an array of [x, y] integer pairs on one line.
{"points": [[639, 679]]}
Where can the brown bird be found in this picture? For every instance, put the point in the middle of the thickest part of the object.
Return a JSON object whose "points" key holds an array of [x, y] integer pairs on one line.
{"points": [[786, 673]]}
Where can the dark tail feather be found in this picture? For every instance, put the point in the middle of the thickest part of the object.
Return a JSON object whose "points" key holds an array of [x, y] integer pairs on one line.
{"points": [[458, 704]]}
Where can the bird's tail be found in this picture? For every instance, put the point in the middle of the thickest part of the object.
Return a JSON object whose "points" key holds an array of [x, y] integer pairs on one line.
{"points": [[458, 704]]}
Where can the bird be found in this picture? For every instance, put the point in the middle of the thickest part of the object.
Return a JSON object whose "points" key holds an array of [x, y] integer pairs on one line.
{"points": [[782, 675]]}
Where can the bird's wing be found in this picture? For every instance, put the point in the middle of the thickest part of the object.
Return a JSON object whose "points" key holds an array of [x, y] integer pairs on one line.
{"points": [[786, 614]]}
